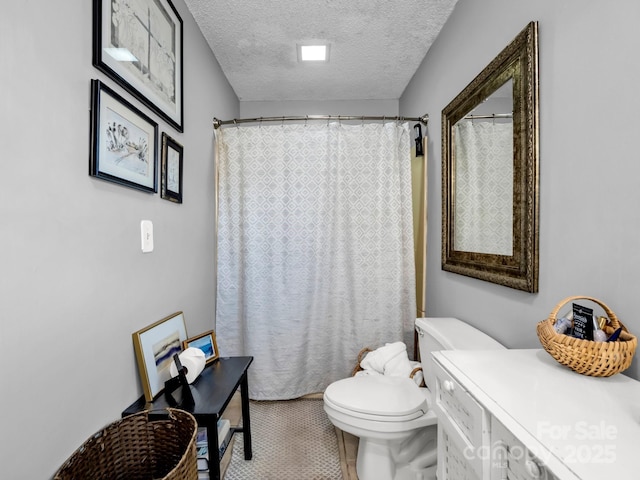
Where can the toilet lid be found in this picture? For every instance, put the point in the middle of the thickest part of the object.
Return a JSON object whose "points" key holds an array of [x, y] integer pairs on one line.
{"points": [[378, 395]]}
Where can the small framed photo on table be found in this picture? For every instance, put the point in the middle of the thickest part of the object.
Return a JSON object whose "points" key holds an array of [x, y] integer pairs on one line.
{"points": [[205, 342]]}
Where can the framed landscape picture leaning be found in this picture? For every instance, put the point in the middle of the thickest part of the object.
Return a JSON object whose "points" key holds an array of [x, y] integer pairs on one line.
{"points": [[155, 346], [171, 171], [138, 44], [205, 342], [123, 141]]}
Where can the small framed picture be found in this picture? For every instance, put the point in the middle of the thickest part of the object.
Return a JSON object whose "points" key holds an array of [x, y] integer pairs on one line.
{"points": [[123, 141], [172, 153], [155, 346], [205, 342]]}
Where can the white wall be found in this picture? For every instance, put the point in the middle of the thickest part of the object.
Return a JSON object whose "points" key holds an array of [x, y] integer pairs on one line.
{"points": [[74, 283], [589, 165]]}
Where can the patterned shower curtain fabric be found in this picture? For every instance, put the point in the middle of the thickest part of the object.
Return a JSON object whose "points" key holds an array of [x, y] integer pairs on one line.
{"points": [[483, 216], [315, 250]]}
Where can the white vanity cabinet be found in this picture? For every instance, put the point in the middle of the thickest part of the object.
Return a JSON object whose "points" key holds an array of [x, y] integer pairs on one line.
{"points": [[519, 415], [463, 427]]}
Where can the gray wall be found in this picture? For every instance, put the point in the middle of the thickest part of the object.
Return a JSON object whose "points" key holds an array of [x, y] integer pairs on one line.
{"points": [[329, 107], [589, 166], [74, 283]]}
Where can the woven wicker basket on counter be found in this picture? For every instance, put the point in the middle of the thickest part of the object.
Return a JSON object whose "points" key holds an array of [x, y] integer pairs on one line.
{"points": [[597, 359], [136, 448]]}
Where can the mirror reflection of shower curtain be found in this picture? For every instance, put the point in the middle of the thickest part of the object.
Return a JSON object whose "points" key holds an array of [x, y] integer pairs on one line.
{"points": [[315, 250], [483, 214]]}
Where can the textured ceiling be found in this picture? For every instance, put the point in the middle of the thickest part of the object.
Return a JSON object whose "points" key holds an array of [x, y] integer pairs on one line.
{"points": [[375, 45]]}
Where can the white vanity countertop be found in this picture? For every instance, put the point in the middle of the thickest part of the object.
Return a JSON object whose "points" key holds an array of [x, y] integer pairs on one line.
{"points": [[581, 427]]}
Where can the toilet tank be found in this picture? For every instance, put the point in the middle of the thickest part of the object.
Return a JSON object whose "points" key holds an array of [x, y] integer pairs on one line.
{"points": [[436, 334]]}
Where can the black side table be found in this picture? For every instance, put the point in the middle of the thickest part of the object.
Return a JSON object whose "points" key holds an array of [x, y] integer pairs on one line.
{"points": [[212, 392]]}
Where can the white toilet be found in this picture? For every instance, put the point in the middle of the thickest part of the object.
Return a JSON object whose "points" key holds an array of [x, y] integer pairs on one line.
{"points": [[392, 416]]}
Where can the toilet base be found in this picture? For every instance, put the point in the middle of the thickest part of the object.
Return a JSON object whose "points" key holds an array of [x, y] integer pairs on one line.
{"points": [[408, 473], [373, 461], [413, 458]]}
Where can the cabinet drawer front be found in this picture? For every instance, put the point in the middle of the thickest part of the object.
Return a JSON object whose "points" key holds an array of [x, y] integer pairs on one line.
{"points": [[511, 460], [459, 460], [462, 409]]}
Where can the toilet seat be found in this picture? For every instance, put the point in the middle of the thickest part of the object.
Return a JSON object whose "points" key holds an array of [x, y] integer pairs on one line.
{"points": [[378, 397]]}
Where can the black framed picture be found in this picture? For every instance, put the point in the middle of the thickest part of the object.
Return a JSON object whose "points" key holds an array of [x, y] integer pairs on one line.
{"points": [[123, 141], [139, 45], [171, 172]]}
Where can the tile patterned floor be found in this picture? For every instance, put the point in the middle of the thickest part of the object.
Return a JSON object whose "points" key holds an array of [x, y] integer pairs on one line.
{"points": [[347, 443]]}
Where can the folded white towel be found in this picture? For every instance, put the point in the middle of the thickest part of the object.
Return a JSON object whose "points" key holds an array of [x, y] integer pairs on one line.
{"points": [[418, 377], [378, 359], [361, 373], [392, 360]]}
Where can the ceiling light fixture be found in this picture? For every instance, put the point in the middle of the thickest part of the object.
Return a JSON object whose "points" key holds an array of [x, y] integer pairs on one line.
{"points": [[313, 53]]}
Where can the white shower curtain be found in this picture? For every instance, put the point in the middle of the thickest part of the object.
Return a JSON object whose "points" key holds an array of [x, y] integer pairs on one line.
{"points": [[315, 250], [483, 216]]}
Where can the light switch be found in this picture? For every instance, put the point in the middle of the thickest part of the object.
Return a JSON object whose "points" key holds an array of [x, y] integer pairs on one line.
{"points": [[146, 232]]}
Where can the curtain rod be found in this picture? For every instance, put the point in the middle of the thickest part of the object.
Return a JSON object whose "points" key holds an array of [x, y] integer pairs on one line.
{"points": [[217, 123], [490, 115]]}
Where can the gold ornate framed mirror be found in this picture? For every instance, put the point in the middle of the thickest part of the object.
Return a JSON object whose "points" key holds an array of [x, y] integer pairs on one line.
{"points": [[490, 171]]}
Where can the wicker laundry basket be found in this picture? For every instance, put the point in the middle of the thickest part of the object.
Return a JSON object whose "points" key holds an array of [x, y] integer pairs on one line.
{"points": [[597, 359], [135, 448]]}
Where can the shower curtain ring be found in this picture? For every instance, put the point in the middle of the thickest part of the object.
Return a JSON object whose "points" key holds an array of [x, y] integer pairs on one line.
{"points": [[306, 121], [235, 122]]}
